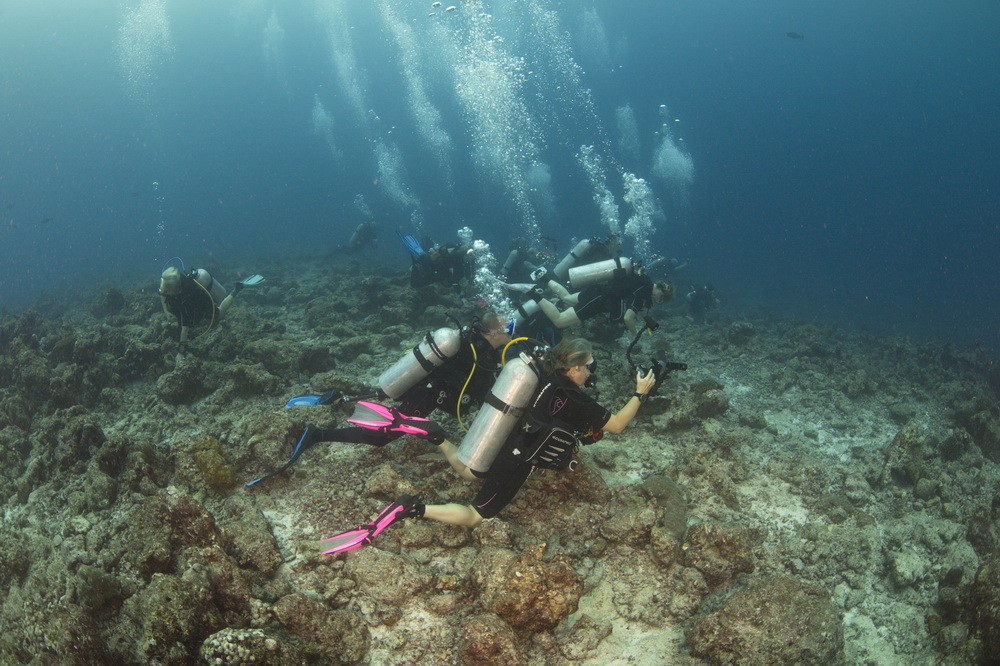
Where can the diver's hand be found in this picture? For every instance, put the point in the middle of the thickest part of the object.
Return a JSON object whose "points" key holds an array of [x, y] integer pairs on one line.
{"points": [[644, 384]]}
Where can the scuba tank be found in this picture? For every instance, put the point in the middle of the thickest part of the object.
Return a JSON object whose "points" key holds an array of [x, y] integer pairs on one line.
{"points": [[524, 312], [562, 268], [512, 260], [436, 348], [214, 289], [500, 413], [601, 271]]}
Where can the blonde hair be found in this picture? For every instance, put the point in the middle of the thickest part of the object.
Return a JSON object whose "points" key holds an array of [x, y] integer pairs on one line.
{"points": [[170, 281], [491, 321], [568, 353]]}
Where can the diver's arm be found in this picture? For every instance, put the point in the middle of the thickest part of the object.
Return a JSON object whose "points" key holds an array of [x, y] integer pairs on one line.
{"points": [[619, 421]]}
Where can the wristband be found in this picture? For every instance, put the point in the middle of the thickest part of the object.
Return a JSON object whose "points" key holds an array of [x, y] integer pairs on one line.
{"points": [[642, 396]]}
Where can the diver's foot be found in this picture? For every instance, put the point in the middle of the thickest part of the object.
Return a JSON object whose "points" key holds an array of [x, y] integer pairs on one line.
{"points": [[433, 433], [331, 397], [413, 506], [309, 437], [407, 506]]}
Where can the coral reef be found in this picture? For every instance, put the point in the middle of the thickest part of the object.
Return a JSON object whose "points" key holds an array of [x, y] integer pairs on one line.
{"points": [[776, 620], [802, 494]]}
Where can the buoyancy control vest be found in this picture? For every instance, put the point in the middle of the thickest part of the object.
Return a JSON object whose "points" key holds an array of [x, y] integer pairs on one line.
{"points": [[549, 444]]}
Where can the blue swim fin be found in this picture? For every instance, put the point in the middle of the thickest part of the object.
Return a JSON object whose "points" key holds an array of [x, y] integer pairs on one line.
{"points": [[310, 399], [412, 245], [301, 400]]}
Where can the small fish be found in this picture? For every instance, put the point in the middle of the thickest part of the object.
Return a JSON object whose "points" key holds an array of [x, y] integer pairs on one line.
{"points": [[45, 220], [795, 35]]}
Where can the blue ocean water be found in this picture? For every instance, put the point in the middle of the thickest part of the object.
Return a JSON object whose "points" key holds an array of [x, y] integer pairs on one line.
{"points": [[847, 172]]}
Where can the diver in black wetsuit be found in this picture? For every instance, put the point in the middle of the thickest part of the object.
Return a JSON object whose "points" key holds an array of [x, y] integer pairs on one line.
{"points": [[623, 298], [558, 401], [461, 381], [194, 298], [700, 301], [445, 264]]}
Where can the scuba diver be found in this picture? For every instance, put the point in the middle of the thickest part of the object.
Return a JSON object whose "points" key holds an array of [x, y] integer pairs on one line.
{"points": [[195, 298], [700, 300], [365, 235], [451, 370], [524, 260], [545, 432], [446, 264], [589, 250], [623, 297]]}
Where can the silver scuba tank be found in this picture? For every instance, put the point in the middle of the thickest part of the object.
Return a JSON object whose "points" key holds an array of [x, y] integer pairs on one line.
{"points": [[562, 268], [511, 261], [204, 278], [500, 413], [433, 351], [524, 312], [601, 271]]}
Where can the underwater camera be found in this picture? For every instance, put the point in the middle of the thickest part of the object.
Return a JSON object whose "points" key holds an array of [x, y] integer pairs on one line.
{"points": [[661, 369]]}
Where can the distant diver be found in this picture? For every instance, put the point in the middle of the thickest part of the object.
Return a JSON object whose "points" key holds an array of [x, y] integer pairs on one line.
{"points": [[795, 35]]}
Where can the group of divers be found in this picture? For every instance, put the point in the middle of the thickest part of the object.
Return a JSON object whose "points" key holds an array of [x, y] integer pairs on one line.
{"points": [[525, 379]]}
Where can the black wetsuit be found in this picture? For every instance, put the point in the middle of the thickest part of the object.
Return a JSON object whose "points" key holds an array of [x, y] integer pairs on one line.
{"points": [[700, 301], [194, 306], [631, 292], [439, 390], [558, 401], [445, 265], [536, 326]]}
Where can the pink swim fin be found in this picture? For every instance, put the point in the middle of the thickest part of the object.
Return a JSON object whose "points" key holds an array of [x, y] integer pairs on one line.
{"points": [[407, 506], [374, 416]]}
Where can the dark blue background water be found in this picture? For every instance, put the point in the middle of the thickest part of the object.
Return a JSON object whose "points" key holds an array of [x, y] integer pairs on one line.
{"points": [[850, 176]]}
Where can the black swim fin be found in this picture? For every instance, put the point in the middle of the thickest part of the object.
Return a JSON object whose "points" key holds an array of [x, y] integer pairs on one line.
{"points": [[307, 439]]}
